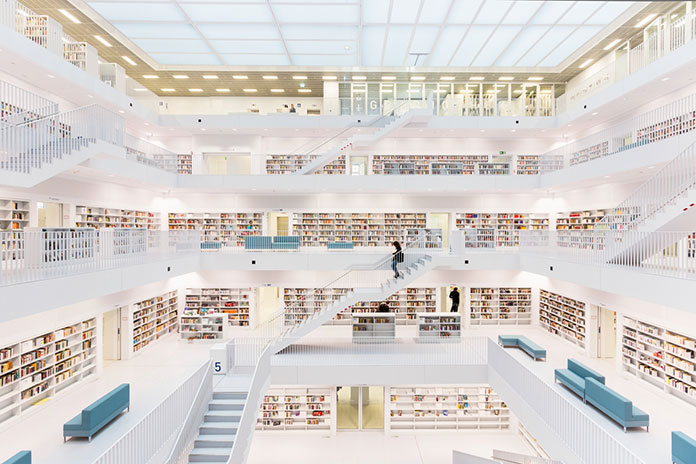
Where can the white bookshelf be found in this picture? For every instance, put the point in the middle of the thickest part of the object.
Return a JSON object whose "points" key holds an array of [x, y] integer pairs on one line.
{"points": [[362, 229], [663, 357], [184, 164], [579, 220], [373, 327], [500, 305], [202, 326], [82, 55], [436, 327], [227, 228], [90, 216], [287, 164], [466, 407], [453, 165], [297, 408], [41, 29], [14, 214], [235, 303], [154, 318], [33, 370], [563, 316], [300, 303], [489, 230]]}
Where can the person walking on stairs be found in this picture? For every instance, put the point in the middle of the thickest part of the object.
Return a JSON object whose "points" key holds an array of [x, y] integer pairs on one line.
{"points": [[454, 296], [397, 257]]}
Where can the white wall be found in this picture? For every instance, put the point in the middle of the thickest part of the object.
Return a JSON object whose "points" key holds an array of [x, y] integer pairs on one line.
{"points": [[227, 105]]}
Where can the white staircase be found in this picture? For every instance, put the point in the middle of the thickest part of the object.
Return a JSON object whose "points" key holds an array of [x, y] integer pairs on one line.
{"points": [[365, 140], [217, 433]]}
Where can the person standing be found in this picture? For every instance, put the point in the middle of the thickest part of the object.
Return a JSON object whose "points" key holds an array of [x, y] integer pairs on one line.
{"points": [[454, 296], [292, 108], [383, 308], [397, 257]]}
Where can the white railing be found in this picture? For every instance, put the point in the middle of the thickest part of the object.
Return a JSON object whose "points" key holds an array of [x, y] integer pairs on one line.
{"points": [[150, 154], [671, 183], [183, 443], [146, 437], [31, 144], [670, 120], [18, 105], [574, 428]]}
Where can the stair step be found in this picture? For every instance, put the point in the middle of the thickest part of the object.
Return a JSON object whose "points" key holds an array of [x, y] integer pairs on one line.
{"points": [[223, 415], [215, 441], [210, 454], [218, 428], [227, 405], [229, 396]]}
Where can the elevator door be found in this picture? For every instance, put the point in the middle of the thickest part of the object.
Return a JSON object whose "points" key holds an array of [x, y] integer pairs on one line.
{"points": [[360, 408]]}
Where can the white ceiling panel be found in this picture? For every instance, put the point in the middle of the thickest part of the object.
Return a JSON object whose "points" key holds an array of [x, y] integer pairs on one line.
{"points": [[527, 38], [376, 11], [580, 12], [521, 12], [228, 13], [239, 31], [545, 45], [495, 45], [324, 60], [609, 12], [405, 11], [138, 11], [321, 47], [551, 12], [492, 12], [463, 11], [397, 44], [372, 44], [157, 31], [576, 40], [474, 40], [186, 59], [172, 45], [434, 11], [424, 39], [446, 45], [297, 13], [256, 60], [248, 46], [319, 32]]}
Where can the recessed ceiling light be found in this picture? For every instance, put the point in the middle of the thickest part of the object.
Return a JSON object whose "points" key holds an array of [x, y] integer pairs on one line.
{"points": [[213, 76], [586, 62], [129, 60], [483, 130], [277, 90], [140, 89], [304, 90], [237, 76], [329, 78], [536, 78], [69, 15], [121, 111], [150, 76], [388, 78], [102, 40], [505, 78], [299, 78], [607, 177], [180, 76], [651, 167], [65, 39], [664, 79], [270, 78], [195, 90], [417, 78], [513, 130], [646, 20], [446, 78], [546, 91], [168, 90], [203, 129], [387, 91], [359, 78], [594, 114], [147, 123], [51, 76], [517, 91], [222, 90], [611, 44], [250, 90], [90, 96], [476, 78]]}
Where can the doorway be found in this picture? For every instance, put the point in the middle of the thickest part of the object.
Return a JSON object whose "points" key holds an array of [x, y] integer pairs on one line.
{"points": [[606, 333], [360, 408], [440, 221], [278, 224], [226, 164], [49, 214], [358, 165], [111, 334]]}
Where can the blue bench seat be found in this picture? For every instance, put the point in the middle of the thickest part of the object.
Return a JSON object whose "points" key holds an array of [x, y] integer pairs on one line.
{"points": [[340, 246], [98, 414], [23, 457], [211, 245], [574, 377], [617, 407], [257, 242], [524, 343], [286, 242], [683, 448]]}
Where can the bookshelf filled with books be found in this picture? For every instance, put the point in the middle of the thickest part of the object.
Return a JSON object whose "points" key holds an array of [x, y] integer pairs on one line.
{"points": [[184, 164], [362, 229], [298, 408], [579, 220], [38, 368], [454, 165], [287, 164], [490, 230], [463, 407], [81, 55], [235, 303], [154, 318], [563, 316], [373, 327], [196, 326], [14, 214], [661, 356], [91, 216], [500, 305], [438, 327], [226, 228]]}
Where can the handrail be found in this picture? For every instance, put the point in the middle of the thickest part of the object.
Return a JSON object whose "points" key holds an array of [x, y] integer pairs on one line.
{"points": [[187, 431]]}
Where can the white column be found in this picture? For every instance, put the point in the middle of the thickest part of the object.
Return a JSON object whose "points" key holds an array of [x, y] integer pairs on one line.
{"points": [[332, 104]]}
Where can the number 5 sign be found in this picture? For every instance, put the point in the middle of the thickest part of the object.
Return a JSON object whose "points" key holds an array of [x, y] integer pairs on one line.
{"points": [[218, 354]]}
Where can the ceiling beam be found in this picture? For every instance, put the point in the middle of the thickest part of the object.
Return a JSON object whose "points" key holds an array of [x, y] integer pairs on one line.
{"points": [[518, 34], [280, 33], [439, 32], [198, 31], [495, 29], [473, 20]]}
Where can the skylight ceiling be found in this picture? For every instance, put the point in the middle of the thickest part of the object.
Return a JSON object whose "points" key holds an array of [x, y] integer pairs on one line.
{"points": [[421, 33]]}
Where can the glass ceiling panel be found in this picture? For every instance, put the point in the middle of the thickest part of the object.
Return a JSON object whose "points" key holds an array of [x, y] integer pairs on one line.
{"points": [[172, 45], [140, 11], [185, 59], [576, 40]]}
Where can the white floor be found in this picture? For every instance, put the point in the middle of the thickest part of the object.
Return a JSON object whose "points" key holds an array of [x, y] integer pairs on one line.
{"points": [[152, 375], [377, 448]]}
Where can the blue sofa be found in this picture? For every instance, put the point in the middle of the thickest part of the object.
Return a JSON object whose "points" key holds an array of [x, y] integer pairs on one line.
{"points": [[257, 242], [23, 457], [95, 416], [525, 344], [288, 242], [683, 448], [614, 405], [574, 377], [211, 245], [340, 246]]}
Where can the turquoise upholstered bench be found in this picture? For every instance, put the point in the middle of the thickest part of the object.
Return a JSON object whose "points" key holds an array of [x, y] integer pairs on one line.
{"points": [[340, 246], [683, 448], [574, 377], [23, 457], [288, 242], [211, 245], [95, 416], [257, 242], [522, 342], [614, 405]]}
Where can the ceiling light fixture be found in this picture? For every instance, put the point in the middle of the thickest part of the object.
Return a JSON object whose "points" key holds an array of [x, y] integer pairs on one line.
{"points": [[237, 77], [536, 78], [168, 90], [329, 78], [277, 90], [594, 114], [418, 78], [250, 90], [446, 78], [140, 89], [304, 90], [129, 60], [69, 15], [195, 90], [476, 78], [180, 76], [664, 79], [102, 40], [359, 78], [646, 20], [546, 91], [586, 62], [51, 76], [65, 39], [612, 44], [270, 78], [505, 78], [213, 76], [299, 78], [150, 76], [222, 90], [121, 111], [388, 78]]}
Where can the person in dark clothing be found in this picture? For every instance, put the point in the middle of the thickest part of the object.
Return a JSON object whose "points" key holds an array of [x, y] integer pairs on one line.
{"points": [[454, 296], [292, 108], [383, 308], [397, 257]]}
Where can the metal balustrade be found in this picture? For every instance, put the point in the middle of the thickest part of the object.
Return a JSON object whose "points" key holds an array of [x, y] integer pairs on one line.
{"points": [[150, 154], [145, 439], [18, 105]]}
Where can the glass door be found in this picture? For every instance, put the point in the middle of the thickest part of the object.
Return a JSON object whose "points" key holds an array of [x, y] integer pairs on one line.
{"points": [[360, 408], [348, 408], [372, 408]]}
